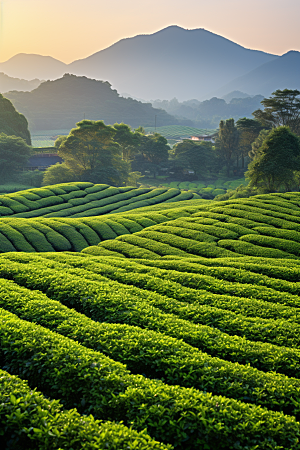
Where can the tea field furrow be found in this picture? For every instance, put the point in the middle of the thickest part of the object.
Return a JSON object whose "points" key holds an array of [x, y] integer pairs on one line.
{"points": [[92, 382]]}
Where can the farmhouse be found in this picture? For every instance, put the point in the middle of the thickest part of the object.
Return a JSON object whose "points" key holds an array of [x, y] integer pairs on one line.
{"points": [[203, 137]]}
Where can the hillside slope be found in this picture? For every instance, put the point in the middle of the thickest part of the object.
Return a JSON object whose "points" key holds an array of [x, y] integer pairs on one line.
{"points": [[187, 325], [280, 73], [83, 199], [262, 226], [60, 104]]}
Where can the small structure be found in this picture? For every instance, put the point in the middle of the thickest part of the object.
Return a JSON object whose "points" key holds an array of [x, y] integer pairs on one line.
{"points": [[203, 137], [41, 161]]}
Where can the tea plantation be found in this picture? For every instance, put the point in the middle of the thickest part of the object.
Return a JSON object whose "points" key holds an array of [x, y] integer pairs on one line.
{"points": [[170, 324]]}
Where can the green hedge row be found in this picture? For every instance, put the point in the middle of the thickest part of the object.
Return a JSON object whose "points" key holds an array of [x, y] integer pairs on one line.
{"points": [[94, 383], [107, 301], [129, 273], [207, 249], [275, 269], [276, 331], [28, 420], [241, 273], [273, 242], [83, 199], [155, 355], [246, 248], [245, 287], [57, 234]]}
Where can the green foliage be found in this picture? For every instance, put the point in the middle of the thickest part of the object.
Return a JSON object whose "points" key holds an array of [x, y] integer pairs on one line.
{"points": [[13, 123], [58, 173], [227, 142], [122, 343], [282, 109], [195, 156], [14, 153], [275, 161], [125, 394], [91, 153]]}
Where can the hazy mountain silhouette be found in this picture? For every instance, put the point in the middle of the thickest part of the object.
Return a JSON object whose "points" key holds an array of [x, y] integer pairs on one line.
{"points": [[59, 104], [173, 62], [234, 94], [283, 72], [15, 84], [29, 66]]}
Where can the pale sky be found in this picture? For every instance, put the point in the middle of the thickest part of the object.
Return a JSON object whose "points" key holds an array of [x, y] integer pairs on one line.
{"points": [[74, 29]]}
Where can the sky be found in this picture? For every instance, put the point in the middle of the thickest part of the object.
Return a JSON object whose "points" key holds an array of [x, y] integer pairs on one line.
{"points": [[73, 29]]}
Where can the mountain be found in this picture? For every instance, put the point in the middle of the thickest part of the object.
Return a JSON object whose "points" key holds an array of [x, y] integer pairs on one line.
{"points": [[283, 72], [173, 62], [234, 94], [207, 114], [30, 66], [15, 84], [59, 104]]}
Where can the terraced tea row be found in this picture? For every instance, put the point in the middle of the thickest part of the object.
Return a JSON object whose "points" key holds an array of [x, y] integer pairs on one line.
{"points": [[83, 199], [30, 420], [106, 300], [261, 227], [122, 342], [92, 382]]}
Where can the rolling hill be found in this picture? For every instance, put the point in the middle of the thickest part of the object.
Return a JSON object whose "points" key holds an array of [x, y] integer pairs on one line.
{"points": [[192, 313], [173, 325], [15, 84], [60, 104]]}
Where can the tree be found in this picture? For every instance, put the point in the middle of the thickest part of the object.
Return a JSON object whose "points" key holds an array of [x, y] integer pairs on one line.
{"points": [[58, 173], [14, 153], [249, 130], [92, 154], [13, 123], [255, 146], [275, 161], [283, 109], [227, 142], [127, 139], [155, 150], [196, 156]]}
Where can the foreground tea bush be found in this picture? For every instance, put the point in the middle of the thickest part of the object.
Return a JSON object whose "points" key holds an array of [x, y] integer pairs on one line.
{"points": [[92, 382], [108, 301], [28, 420], [153, 354]]}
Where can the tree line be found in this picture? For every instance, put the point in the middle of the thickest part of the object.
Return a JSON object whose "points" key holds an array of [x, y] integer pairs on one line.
{"points": [[119, 155]]}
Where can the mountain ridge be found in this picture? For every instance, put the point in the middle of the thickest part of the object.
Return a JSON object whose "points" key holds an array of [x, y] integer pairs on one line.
{"points": [[170, 62]]}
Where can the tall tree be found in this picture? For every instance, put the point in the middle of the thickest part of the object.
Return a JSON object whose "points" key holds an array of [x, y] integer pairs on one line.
{"points": [[14, 153], [92, 154], [227, 142], [128, 140], [249, 130], [154, 149], [281, 109], [196, 156], [275, 161]]}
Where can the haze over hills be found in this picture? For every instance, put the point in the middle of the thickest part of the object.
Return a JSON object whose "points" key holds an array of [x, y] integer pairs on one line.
{"points": [[280, 73], [15, 84], [173, 62], [60, 104], [30, 66]]}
